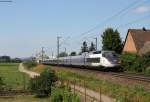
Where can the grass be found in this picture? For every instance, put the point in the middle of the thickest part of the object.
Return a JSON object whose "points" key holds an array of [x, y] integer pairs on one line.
{"points": [[15, 80], [120, 93], [39, 68], [109, 88], [28, 98], [63, 93], [11, 75]]}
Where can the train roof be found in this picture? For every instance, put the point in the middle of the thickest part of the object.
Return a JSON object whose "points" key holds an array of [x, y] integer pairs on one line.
{"points": [[86, 54]]}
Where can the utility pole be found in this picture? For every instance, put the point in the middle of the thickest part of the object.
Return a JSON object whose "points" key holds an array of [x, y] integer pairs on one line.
{"points": [[65, 49], [96, 43], [58, 46], [52, 55], [42, 53]]}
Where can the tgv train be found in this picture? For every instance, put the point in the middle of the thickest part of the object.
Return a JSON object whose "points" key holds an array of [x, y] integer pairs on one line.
{"points": [[92, 59]]}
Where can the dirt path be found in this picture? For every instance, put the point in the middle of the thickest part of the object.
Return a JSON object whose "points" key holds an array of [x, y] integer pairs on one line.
{"points": [[30, 73], [90, 94]]}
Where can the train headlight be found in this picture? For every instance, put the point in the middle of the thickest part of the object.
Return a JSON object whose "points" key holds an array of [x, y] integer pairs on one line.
{"points": [[119, 62]]}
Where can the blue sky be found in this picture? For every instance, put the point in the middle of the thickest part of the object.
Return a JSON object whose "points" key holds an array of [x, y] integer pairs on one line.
{"points": [[27, 25]]}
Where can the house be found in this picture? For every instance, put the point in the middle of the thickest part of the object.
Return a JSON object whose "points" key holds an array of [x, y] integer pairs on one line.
{"points": [[137, 41]]}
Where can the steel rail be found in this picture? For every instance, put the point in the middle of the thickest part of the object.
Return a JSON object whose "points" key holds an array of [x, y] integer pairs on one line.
{"points": [[132, 76]]}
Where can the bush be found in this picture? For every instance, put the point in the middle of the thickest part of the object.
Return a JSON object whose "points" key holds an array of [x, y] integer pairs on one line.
{"points": [[133, 62], [128, 61], [1, 84], [57, 95], [42, 84], [145, 61], [16, 60], [147, 70], [62, 95], [142, 63], [29, 64]]}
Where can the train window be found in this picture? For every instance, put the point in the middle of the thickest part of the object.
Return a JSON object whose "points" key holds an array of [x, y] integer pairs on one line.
{"points": [[93, 60], [109, 54], [97, 52]]}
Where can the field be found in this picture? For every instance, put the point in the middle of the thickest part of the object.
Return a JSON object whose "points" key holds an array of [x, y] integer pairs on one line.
{"points": [[24, 99], [12, 77], [15, 80]]}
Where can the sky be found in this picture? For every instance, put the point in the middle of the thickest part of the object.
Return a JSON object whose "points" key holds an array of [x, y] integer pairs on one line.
{"points": [[28, 25]]}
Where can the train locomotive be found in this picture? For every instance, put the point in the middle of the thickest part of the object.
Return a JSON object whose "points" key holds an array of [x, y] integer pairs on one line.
{"points": [[106, 59]]}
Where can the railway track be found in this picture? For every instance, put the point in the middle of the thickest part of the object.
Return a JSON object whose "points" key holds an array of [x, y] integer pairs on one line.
{"points": [[137, 77], [131, 76]]}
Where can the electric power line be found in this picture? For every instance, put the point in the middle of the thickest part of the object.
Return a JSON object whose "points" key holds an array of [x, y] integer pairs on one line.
{"points": [[110, 18], [123, 13], [135, 7], [135, 21], [64, 41]]}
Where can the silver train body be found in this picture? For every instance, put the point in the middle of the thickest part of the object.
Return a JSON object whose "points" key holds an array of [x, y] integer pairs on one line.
{"points": [[92, 59]]}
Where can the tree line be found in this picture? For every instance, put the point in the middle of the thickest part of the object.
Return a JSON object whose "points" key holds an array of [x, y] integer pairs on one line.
{"points": [[8, 59]]}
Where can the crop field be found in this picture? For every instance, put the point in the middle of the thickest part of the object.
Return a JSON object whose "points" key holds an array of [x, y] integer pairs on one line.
{"points": [[12, 77], [25, 99], [17, 80]]}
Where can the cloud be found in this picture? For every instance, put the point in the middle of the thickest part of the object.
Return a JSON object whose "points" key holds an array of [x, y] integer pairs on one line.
{"points": [[142, 9]]}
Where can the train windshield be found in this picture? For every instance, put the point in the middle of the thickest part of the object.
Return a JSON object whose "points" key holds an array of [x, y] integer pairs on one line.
{"points": [[110, 55]]}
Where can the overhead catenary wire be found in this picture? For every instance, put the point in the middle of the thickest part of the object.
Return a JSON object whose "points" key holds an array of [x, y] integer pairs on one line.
{"points": [[135, 21], [64, 41], [110, 18], [133, 7], [136, 6], [129, 23], [120, 13]]}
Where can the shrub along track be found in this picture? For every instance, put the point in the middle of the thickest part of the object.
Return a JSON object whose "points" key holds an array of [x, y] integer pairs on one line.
{"points": [[12, 93], [120, 78]]}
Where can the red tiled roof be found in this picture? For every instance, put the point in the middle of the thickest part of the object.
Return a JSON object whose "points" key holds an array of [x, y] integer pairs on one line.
{"points": [[140, 37]]}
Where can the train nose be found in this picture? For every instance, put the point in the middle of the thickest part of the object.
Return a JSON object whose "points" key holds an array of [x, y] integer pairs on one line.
{"points": [[115, 61]]}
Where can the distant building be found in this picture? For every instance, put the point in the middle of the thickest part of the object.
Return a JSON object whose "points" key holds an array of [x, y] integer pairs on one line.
{"points": [[137, 41]]}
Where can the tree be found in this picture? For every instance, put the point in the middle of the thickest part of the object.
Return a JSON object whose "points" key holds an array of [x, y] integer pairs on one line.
{"points": [[84, 47], [111, 40], [63, 54], [73, 53], [16, 60], [41, 85], [80, 53], [92, 47], [30, 64], [5, 59]]}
